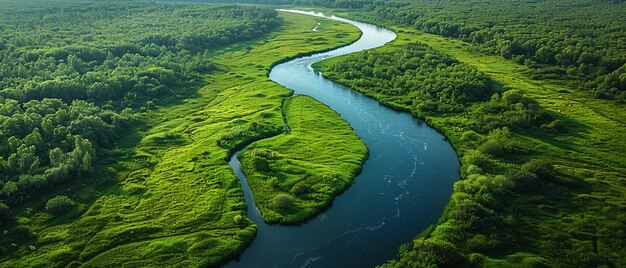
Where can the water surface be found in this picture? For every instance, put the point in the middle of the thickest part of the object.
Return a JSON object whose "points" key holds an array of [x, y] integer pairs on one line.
{"points": [[402, 189]]}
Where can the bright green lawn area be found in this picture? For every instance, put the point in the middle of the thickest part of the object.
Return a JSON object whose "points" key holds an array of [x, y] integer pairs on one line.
{"points": [[174, 201], [294, 176]]}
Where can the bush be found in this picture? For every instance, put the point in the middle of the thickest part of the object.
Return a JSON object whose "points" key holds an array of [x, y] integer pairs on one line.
{"points": [[300, 188], [524, 180], [477, 158], [5, 215], [237, 219], [492, 147], [471, 136], [473, 169], [540, 167], [437, 253], [260, 164], [284, 202], [59, 205]]}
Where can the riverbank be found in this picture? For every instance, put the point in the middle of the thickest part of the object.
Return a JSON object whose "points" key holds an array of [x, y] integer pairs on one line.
{"points": [[176, 196], [406, 181], [559, 216], [296, 175]]}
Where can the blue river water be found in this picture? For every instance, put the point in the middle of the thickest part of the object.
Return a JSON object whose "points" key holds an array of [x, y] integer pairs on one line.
{"points": [[402, 189]]}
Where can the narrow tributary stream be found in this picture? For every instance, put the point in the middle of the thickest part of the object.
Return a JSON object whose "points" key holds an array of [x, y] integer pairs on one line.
{"points": [[403, 188]]}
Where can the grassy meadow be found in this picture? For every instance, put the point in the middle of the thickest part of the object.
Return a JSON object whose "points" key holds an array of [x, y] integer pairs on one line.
{"points": [[295, 175], [166, 196]]}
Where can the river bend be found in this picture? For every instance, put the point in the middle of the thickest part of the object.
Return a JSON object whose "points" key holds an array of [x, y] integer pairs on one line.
{"points": [[403, 188]]}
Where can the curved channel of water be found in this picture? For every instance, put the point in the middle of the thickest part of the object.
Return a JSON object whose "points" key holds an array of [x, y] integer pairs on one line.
{"points": [[404, 186]]}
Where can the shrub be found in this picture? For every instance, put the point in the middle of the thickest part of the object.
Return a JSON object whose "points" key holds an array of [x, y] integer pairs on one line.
{"points": [[260, 164], [512, 97], [477, 158], [540, 167], [471, 136], [59, 204], [10, 188], [5, 215], [524, 180], [300, 188], [492, 147], [473, 169], [237, 219], [284, 202], [437, 253]]}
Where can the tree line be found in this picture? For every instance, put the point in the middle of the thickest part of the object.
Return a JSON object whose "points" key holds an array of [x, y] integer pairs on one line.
{"points": [[482, 120], [583, 39], [419, 78]]}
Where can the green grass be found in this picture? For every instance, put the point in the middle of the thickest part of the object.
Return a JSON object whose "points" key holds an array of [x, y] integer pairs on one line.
{"points": [[576, 219], [308, 167], [172, 199]]}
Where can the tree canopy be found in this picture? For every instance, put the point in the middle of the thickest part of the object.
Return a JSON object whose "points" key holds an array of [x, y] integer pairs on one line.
{"points": [[75, 75]]}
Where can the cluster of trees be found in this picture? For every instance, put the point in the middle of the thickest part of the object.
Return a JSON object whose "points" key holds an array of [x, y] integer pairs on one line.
{"points": [[479, 119], [479, 217], [74, 75], [421, 79], [433, 81], [46, 142], [583, 38]]}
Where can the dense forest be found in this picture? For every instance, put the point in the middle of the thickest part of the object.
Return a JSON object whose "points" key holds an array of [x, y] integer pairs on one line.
{"points": [[74, 76], [582, 39], [419, 77]]}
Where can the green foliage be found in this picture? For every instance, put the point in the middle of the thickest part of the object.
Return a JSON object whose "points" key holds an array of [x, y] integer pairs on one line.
{"points": [[283, 202], [59, 204], [542, 168], [306, 168], [168, 180], [583, 40], [432, 81], [491, 147], [471, 136], [525, 181], [427, 82], [428, 253], [5, 215], [514, 208], [71, 86], [238, 219]]}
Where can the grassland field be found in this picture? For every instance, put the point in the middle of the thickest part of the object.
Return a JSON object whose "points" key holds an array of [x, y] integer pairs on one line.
{"points": [[309, 166], [172, 200]]}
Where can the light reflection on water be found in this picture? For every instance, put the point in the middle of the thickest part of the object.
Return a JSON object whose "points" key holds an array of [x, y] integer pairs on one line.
{"points": [[402, 189]]}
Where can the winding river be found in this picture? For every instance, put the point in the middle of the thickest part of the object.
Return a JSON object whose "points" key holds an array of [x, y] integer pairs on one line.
{"points": [[403, 188]]}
